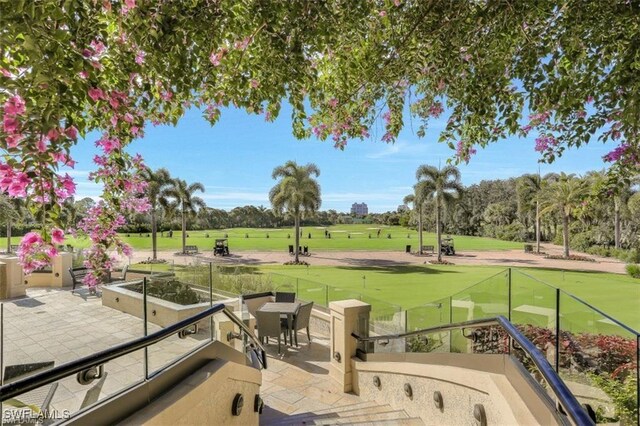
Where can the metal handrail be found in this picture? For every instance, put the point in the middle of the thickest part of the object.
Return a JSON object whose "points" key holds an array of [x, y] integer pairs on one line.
{"points": [[567, 400], [249, 333], [256, 295], [27, 384], [446, 327]]}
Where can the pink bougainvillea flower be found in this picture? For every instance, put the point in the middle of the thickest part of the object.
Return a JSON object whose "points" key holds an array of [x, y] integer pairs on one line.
{"points": [[140, 55], [255, 83], [98, 47], [84, 74], [382, 13], [43, 144], [53, 134], [32, 238], [95, 94], [13, 140], [71, 132], [57, 236], [214, 58], [14, 106], [10, 124]]}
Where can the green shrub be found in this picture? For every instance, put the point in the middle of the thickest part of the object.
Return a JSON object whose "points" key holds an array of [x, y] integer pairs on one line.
{"points": [[633, 270], [632, 256], [581, 241]]}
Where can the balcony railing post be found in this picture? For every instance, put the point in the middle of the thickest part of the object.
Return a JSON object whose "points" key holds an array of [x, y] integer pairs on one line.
{"points": [[298, 287], [1, 344], [326, 296], [211, 331], [406, 320], [509, 294], [145, 363], [557, 354]]}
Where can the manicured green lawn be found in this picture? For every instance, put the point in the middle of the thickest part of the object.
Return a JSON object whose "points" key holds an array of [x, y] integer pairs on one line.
{"points": [[413, 286], [343, 237]]}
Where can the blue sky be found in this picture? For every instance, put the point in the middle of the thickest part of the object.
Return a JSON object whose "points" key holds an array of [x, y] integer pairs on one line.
{"points": [[234, 160]]}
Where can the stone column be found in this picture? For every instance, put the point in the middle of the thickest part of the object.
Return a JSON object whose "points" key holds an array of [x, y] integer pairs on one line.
{"points": [[347, 316], [60, 270], [12, 282]]}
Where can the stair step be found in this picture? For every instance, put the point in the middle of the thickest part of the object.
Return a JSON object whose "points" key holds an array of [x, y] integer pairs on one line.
{"points": [[332, 415], [413, 421], [392, 415], [348, 407]]}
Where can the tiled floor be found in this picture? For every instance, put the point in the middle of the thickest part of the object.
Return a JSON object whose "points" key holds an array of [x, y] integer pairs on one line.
{"points": [[59, 326], [297, 381]]}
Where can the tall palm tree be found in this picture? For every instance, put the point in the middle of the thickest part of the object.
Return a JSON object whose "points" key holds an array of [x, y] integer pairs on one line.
{"points": [[564, 195], [418, 199], [531, 186], [184, 201], [444, 186], [297, 192], [158, 181]]}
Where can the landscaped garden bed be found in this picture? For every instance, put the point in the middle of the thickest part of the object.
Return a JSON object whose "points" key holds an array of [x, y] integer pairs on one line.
{"points": [[168, 301]]}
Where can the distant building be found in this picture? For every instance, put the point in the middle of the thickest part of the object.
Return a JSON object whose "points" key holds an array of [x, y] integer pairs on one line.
{"points": [[359, 209]]}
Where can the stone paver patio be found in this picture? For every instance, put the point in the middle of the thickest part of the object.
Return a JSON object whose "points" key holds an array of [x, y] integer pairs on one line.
{"points": [[59, 326]]}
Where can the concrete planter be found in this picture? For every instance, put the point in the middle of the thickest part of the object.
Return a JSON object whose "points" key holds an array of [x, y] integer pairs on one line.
{"points": [[160, 312]]}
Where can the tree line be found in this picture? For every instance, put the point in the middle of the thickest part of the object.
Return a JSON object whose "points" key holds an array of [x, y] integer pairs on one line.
{"points": [[561, 208]]}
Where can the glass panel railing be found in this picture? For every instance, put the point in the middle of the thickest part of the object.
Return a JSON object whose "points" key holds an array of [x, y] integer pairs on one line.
{"points": [[66, 397], [49, 327], [485, 299], [170, 300], [599, 361], [311, 291], [431, 314], [534, 311]]}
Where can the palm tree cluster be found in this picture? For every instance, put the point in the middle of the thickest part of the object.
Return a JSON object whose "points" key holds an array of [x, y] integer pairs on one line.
{"points": [[174, 196], [440, 188]]}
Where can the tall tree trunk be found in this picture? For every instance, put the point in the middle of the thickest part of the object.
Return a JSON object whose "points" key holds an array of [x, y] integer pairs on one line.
{"points": [[438, 232], [297, 226], [537, 226], [565, 234], [184, 233], [154, 235], [420, 229], [616, 222], [8, 235]]}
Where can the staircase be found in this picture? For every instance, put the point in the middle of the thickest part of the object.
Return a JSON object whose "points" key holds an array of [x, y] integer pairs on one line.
{"points": [[353, 414]]}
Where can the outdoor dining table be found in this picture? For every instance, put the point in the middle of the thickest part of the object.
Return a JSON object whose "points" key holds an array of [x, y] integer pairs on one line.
{"points": [[284, 308]]}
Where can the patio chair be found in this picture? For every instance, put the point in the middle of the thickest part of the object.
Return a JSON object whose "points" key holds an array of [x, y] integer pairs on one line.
{"points": [[285, 297], [123, 276], [305, 251], [77, 276], [301, 320], [269, 326], [291, 250]]}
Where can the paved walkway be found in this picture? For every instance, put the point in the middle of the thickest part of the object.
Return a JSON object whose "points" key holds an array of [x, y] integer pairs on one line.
{"points": [[57, 326], [516, 258]]}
